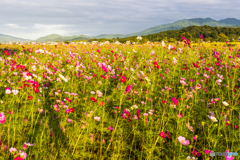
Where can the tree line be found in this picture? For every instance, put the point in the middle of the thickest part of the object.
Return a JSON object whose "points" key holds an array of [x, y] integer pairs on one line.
{"points": [[213, 34]]}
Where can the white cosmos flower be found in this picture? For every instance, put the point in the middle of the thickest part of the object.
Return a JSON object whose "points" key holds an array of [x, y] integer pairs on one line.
{"points": [[61, 76], [174, 60], [139, 38], [7, 91], [163, 44], [15, 92], [97, 118], [225, 103], [169, 47], [214, 119], [28, 78], [11, 150], [28, 144], [135, 106]]}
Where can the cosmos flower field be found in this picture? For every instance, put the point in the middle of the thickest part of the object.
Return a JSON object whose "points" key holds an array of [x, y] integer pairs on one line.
{"points": [[148, 101]]}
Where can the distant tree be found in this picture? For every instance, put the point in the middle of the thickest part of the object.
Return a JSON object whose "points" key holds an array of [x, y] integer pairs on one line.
{"points": [[215, 35], [186, 35], [222, 37], [171, 40]]}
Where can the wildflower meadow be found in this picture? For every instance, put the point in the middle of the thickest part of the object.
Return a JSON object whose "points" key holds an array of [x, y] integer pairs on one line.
{"points": [[117, 101]]}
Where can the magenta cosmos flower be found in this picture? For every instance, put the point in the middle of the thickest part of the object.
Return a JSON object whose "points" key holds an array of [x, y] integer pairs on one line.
{"points": [[229, 157], [128, 89], [183, 141], [175, 101], [206, 151], [2, 118], [162, 134]]}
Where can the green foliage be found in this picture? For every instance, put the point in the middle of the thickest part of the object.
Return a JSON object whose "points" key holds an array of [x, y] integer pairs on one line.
{"points": [[222, 37], [193, 33]]}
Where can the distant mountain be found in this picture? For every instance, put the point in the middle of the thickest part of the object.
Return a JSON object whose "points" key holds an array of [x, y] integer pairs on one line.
{"points": [[229, 22], [109, 36], [56, 37], [79, 39], [232, 21], [5, 38]]}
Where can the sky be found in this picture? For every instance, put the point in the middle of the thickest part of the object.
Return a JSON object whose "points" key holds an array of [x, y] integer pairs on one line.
{"points": [[32, 19]]}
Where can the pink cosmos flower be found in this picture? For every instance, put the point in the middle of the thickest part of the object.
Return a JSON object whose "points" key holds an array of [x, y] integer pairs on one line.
{"points": [[104, 69], [11, 150], [145, 114], [175, 101], [123, 79], [40, 110], [22, 154], [67, 111], [110, 128], [6, 52], [183, 141], [135, 116], [24, 146], [168, 133], [161, 134], [2, 118], [97, 118], [229, 157], [138, 114], [128, 89], [183, 82], [4, 148], [189, 127], [206, 151], [180, 115]]}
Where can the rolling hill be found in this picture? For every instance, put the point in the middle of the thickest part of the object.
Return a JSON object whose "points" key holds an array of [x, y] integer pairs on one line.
{"points": [[6, 38], [56, 37], [229, 22]]}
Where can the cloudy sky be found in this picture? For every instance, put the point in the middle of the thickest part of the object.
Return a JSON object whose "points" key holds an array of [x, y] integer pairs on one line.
{"points": [[31, 19]]}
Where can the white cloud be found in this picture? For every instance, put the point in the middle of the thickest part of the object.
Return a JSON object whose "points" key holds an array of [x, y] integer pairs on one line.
{"points": [[14, 26], [50, 27]]}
